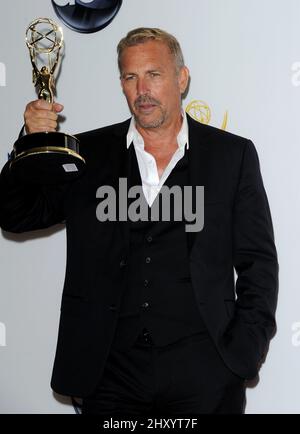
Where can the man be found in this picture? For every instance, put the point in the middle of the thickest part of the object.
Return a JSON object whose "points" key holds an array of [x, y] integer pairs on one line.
{"points": [[151, 319]]}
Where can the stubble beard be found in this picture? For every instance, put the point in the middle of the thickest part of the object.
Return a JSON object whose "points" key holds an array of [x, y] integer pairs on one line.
{"points": [[142, 120], [154, 123]]}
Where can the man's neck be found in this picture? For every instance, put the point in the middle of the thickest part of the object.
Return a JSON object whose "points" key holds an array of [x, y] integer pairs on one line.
{"points": [[161, 139]]}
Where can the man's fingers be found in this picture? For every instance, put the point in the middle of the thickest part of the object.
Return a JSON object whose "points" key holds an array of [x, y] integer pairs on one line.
{"points": [[41, 116], [58, 107], [38, 125], [39, 104], [45, 124], [41, 130]]}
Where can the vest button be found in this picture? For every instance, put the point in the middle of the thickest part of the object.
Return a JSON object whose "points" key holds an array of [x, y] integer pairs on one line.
{"points": [[148, 260], [122, 263], [145, 305], [146, 282], [149, 239]]}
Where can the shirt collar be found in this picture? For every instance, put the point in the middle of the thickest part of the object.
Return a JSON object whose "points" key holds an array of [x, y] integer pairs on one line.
{"points": [[182, 139]]}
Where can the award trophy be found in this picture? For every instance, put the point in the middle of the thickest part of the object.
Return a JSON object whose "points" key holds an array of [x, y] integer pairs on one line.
{"points": [[47, 157]]}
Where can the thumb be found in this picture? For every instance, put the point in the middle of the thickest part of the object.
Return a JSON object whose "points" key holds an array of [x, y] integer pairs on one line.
{"points": [[58, 107]]}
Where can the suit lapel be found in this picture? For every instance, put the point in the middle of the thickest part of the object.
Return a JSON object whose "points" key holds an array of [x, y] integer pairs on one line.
{"points": [[120, 163], [198, 164]]}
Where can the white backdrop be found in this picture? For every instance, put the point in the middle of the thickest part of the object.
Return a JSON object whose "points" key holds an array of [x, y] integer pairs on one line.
{"points": [[244, 57]]}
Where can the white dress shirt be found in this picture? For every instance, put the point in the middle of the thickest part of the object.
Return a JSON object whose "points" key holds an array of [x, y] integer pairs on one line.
{"points": [[151, 182]]}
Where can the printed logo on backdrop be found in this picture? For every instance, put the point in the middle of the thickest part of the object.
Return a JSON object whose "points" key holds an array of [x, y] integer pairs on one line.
{"points": [[86, 16], [201, 112]]}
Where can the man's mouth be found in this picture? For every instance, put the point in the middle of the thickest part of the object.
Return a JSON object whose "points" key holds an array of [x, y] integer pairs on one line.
{"points": [[146, 107]]}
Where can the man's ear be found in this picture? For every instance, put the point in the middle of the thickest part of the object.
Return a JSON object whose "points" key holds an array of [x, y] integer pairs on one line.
{"points": [[184, 76]]}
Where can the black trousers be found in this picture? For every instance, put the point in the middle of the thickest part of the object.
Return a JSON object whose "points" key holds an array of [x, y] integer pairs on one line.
{"points": [[187, 377]]}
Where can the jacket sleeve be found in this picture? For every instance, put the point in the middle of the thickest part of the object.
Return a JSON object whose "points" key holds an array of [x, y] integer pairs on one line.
{"points": [[255, 261], [27, 207]]}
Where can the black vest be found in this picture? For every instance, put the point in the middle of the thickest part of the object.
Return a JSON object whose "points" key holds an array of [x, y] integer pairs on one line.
{"points": [[159, 295]]}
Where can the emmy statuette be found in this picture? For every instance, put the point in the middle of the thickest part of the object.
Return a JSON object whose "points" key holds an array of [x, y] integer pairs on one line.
{"points": [[47, 157]]}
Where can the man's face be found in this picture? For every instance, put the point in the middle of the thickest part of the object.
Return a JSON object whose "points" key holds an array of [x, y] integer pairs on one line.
{"points": [[151, 83]]}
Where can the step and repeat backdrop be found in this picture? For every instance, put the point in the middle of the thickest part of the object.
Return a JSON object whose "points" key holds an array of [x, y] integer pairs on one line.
{"points": [[244, 59]]}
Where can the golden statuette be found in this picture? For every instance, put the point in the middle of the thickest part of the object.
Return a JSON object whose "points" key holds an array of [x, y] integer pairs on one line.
{"points": [[47, 157], [44, 39]]}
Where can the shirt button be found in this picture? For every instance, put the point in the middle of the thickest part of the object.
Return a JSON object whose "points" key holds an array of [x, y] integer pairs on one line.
{"points": [[122, 263], [148, 260], [145, 305]]}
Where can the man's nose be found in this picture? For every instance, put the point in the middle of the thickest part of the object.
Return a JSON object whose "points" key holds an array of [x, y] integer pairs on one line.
{"points": [[142, 87]]}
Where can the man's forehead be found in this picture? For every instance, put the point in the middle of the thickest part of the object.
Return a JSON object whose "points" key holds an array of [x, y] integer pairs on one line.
{"points": [[146, 47], [150, 53]]}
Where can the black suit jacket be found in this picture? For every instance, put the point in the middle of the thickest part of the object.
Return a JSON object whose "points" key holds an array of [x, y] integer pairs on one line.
{"points": [[237, 234]]}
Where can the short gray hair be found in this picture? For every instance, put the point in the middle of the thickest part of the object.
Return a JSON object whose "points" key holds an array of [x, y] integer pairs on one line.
{"points": [[145, 34]]}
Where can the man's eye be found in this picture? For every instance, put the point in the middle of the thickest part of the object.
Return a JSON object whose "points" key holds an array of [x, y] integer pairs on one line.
{"points": [[129, 77], [155, 74]]}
